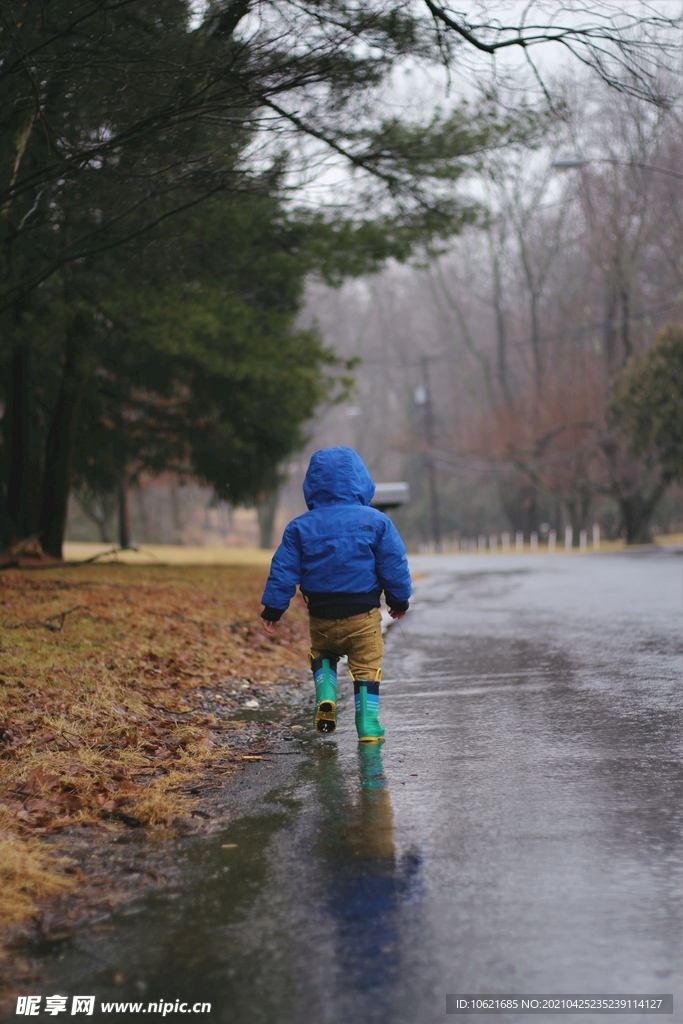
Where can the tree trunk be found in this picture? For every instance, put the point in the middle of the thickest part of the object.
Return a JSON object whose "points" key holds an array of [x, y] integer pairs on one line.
{"points": [[21, 435], [572, 516], [578, 511], [266, 510], [636, 489], [536, 341], [124, 515], [626, 323], [59, 443], [518, 499], [610, 330], [6, 524], [501, 333], [636, 514], [98, 508]]}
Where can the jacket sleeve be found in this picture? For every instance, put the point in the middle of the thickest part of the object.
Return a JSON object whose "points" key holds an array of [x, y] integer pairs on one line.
{"points": [[392, 567], [285, 573]]}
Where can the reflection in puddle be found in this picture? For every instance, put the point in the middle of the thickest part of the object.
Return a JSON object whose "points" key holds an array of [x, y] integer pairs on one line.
{"points": [[367, 884]]}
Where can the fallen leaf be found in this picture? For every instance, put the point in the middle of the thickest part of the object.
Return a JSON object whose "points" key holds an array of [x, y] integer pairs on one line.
{"points": [[40, 779], [69, 802], [46, 738], [37, 805]]}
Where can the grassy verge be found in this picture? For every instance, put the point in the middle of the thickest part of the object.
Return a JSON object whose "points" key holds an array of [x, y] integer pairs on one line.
{"points": [[110, 677]]}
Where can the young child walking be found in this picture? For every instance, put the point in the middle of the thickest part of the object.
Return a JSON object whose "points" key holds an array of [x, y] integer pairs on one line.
{"points": [[342, 554]]}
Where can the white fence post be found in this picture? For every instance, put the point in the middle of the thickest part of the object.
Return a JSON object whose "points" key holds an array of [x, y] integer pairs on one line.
{"points": [[533, 541], [596, 537], [519, 541], [552, 540], [583, 540], [568, 538]]}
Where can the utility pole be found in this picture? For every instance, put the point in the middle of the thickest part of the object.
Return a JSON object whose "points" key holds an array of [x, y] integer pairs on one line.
{"points": [[423, 396]]}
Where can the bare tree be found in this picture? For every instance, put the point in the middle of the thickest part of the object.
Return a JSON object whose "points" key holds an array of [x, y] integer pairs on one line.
{"points": [[627, 49], [531, 314]]}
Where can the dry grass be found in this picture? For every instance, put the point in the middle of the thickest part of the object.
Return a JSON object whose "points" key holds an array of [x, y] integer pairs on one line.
{"points": [[168, 554], [103, 711], [27, 874]]}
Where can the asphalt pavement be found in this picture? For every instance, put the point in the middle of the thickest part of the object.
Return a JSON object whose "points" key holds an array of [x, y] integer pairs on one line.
{"points": [[520, 831]]}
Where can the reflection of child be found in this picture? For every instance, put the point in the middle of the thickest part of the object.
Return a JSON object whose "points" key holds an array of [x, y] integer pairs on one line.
{"points": [[343, 554], [366, 883]]}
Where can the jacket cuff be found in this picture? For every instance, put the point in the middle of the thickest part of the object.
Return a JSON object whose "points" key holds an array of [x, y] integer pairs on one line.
{"points": [[395, 604], [272, 614]]}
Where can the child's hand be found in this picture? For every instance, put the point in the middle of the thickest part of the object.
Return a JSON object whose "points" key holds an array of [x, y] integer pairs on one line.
{"points": [[396, 615], [269, 627]]}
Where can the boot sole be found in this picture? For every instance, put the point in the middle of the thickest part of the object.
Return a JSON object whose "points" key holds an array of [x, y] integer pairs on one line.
{"points": [[326, 717]]}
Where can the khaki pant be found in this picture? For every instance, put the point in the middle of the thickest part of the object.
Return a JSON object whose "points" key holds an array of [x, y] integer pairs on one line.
{"points": [[359, 637]]}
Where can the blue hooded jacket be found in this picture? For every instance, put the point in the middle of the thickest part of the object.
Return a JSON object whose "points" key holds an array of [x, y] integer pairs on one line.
{"points": [[341, 552]]}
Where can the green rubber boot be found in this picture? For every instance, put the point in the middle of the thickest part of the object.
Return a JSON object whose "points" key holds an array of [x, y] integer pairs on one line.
{"points": [[325, 679], [366, 697]]}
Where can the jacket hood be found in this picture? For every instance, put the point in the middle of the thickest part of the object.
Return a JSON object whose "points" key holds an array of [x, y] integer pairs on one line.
{"points": [[337, 476]]}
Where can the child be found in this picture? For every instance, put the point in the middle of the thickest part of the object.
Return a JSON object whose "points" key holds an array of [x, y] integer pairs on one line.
{"points": [[343, 554]]}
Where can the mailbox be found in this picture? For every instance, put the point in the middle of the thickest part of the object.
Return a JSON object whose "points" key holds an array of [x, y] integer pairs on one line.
{"points": [[388, 496]]}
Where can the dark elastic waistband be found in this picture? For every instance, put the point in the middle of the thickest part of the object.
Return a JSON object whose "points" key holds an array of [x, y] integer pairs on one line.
{"points": [[340, 606], [339, 611]]}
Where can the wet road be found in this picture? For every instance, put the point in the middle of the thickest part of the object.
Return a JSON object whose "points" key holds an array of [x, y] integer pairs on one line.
{"points": [[520, 830]]}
